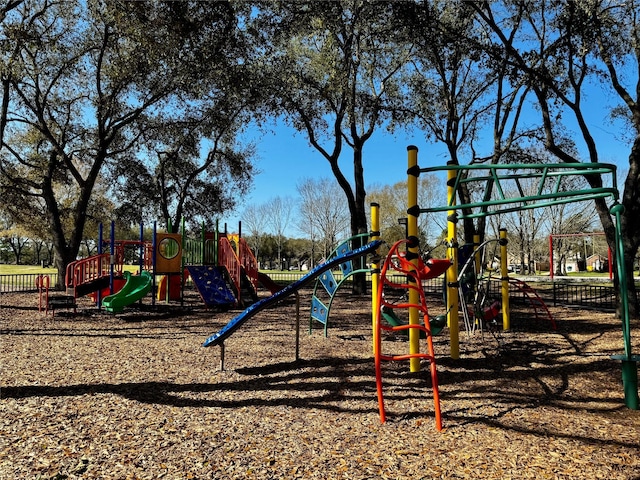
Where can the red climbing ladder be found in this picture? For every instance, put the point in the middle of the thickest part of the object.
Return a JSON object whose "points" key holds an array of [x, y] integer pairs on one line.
{"points": [[539, 307], [241, 266], [397, 265]]}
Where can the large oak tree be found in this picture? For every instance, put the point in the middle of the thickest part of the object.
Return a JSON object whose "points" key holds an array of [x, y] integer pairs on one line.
{"points": [[89, 81], [566, 51], [334, 72]]}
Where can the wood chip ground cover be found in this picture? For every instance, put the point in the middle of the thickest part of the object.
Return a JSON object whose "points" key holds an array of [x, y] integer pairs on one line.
{"points": [[136, 396]]}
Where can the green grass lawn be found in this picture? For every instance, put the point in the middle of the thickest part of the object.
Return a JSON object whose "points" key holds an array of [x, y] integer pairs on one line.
{"points": [[36, 269], [588, 274], [19, 269]]}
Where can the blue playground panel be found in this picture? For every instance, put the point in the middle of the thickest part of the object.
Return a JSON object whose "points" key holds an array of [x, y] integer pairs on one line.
{"points": [[319, 310], [212, 285], [329, 282]]}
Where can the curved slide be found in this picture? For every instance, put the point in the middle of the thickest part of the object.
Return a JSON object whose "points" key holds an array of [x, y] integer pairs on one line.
{"points": [[137, 286], [238, 321]]}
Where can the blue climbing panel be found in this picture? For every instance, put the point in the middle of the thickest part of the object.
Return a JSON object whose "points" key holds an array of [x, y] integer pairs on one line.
{"points": [[319, 310], [328, 281], [346, 267], [211, 283]]}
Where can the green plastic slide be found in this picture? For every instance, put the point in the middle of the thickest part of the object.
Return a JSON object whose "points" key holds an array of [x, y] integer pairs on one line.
{"points": [[137, 287]]}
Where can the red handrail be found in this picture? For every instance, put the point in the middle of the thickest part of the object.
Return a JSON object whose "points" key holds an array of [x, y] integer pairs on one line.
{"points": [[248, 262], [43, 284], [227, 258], [87, 269], [120, 247]]}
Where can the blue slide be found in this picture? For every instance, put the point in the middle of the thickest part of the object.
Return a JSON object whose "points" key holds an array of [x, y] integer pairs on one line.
{"points": [[235, 323]]}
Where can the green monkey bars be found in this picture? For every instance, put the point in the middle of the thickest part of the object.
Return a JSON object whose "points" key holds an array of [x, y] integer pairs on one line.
{"points": [[500, 188], [504, 189]]}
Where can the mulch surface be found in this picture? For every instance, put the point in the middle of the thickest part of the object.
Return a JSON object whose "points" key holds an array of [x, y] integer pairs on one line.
{"points": [[136, 396]]}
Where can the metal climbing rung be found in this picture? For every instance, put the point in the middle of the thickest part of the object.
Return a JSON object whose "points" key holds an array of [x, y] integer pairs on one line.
{"points": [[329, 282], [319, 310]]}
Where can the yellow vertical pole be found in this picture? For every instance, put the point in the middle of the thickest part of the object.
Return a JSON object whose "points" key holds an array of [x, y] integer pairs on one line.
{"points": [[375, 269], [452, 271], [504, 273], [413, 172]]}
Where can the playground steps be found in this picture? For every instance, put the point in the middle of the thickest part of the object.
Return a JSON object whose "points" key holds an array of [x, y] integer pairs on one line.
{"points": [[248, 294], [539, 307], [61, 302], [268, 283]]}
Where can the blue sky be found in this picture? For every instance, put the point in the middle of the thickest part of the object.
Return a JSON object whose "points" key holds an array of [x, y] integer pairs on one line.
{"points": [[284, 157]]}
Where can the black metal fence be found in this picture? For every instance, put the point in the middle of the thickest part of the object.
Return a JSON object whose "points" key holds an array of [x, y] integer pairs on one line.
{"points": [[24, 282], [556, 294], [578, 294], [433, 285], [602, 297]]}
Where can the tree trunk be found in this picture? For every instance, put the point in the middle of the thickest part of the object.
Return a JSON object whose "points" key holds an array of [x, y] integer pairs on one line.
{"points": [[359, 221], [559, 270], [16, 247], [469, 228], [66, 251], [630, 226]]}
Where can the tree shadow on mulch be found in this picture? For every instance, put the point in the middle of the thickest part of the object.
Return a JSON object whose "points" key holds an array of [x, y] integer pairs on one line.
{"points": [[303, 384]]}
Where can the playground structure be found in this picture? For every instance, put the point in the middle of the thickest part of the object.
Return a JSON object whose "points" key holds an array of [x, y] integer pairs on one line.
{"points": [[350, 260], [494, 202], [134, 289], [473, 286], [493, 181], [477, 305], [47, 303], [221, 266]]}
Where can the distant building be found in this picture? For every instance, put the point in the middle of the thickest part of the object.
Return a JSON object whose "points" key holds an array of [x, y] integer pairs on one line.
{"points": [[596, 263]]}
